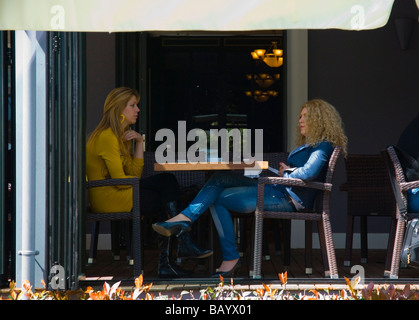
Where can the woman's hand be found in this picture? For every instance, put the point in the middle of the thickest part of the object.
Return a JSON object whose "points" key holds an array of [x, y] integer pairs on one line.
{"points": [[132, 135], [139, 146], [282, 168]]}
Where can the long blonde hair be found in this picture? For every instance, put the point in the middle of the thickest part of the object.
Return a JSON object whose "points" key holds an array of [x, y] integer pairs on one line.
{"points": [[324, 124], [112, 117]]}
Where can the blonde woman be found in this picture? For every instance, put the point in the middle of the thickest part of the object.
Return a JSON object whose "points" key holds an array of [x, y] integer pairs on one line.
{"points": [[110, 154], [320, 129]]}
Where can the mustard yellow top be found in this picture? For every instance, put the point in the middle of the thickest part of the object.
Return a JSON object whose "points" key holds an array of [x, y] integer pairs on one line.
{"points": [[104, 161]]}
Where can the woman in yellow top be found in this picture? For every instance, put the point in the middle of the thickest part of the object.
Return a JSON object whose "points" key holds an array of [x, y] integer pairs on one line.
{"points": [[110, 154]]}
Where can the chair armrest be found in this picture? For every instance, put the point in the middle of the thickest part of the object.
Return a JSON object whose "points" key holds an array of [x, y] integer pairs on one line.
{"points": [[112, 182], [409, 185], [295, 183]]}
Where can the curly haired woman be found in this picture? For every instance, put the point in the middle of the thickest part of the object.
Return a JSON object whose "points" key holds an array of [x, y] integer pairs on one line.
{"points": [[110, 154], [319, 130]]}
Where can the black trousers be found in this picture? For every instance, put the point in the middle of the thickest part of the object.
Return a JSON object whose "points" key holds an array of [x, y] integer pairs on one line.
{"points": [[155, 192]]}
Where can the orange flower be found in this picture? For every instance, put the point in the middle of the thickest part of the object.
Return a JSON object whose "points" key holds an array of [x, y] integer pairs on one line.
{"points": [[139, 282], [260, 293], [283, 277]]}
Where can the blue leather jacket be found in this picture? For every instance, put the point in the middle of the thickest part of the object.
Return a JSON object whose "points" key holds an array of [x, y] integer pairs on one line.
{"points": [[308, 163]]}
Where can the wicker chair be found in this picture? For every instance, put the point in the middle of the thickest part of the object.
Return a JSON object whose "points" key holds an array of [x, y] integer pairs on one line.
{"points": [[135, 247], [185, 179], [321, 215], [240, 219], [400, 187], [369, 193]]}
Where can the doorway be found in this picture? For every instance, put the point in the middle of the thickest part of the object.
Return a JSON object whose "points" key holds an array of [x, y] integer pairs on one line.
{"points": [[208, 80]]}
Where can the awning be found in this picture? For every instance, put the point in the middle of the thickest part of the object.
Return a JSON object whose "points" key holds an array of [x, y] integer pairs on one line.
{"points": [[192, 15]]}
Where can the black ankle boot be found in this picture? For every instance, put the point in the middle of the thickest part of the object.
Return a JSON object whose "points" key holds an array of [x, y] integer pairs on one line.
{"points": [[171, 208], [188, 249], [166, 268]]}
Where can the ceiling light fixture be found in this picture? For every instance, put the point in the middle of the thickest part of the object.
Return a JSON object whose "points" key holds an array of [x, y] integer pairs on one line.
{"points": [[272, 57]]}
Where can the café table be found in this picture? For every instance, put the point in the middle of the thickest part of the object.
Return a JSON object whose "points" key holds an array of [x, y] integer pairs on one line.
{"points": [[209, 166]]}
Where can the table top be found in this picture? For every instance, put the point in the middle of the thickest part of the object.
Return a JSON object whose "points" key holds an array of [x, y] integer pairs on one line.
{"points": [[185, 166]]}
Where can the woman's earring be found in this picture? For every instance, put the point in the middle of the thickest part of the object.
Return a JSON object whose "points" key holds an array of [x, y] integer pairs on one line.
{"points": [[123, 118]]}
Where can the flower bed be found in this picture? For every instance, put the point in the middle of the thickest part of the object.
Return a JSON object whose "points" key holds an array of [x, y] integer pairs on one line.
{"points": [[221, 292]]}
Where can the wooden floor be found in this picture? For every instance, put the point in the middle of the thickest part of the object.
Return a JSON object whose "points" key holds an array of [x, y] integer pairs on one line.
{"points": [[105, 269]]}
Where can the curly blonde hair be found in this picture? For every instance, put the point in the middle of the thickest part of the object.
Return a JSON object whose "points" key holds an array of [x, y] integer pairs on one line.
{"points": [[323, 124]]}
